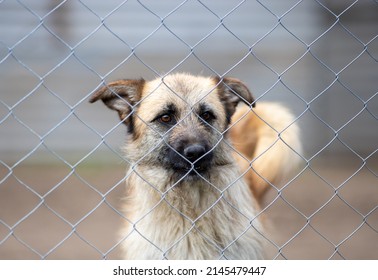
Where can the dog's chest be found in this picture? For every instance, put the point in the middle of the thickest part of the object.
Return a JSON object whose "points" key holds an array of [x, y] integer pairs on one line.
{"points": [[190, 222], [172, 235]]}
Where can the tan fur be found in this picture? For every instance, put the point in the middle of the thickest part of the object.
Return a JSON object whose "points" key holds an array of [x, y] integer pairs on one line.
{"points": [[212, 213], [267, 143]]}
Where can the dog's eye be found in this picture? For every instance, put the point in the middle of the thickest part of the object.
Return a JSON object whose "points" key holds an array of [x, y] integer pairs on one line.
{"points": [[166, 118], [207, 116]]}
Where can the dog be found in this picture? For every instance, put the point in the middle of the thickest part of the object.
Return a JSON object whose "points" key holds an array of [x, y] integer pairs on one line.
{"points": [[187, 195]]}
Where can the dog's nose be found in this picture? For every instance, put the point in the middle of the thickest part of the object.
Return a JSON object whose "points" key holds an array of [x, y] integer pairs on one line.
{"points": [[194, 152]]}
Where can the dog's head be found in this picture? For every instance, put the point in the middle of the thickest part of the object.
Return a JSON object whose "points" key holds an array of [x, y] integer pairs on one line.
{"points": [[177, 122]]}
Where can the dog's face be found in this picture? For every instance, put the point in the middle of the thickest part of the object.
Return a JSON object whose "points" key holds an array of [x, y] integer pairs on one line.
{"points": [[177, 123]]}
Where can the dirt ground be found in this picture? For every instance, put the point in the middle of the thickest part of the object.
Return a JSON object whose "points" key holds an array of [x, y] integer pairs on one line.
{"points": [[55, 212]]}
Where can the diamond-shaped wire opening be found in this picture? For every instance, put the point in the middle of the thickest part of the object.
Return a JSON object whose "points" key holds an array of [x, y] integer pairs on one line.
{"points": [[18, 200], [347, 217], [75, 247], [94, 222], [308, 244], [354, 126], [31, 81], [87, 54], [83, 79], [12, 248], [353, 83], [42, 230], [351, 246], [177, 23], [42, 106], [41, 180], [54, 140], [301, 194], [14, 132], [72, 189], [28, 24], [30, 51], [281, 213]]}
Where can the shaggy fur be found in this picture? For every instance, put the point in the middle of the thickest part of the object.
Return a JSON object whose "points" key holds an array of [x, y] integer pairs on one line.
{"points": [[185, 195]]}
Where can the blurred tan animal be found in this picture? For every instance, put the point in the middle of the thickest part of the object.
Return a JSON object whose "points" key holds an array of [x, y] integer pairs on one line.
{"points": [[186, 195], [267, 144]]}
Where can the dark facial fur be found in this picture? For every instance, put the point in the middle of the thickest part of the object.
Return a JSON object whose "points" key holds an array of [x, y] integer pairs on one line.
{"points": [[190, 140]]}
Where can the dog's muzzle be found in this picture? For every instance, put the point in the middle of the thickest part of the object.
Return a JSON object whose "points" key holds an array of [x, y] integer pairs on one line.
{"points": [[191, 159]]}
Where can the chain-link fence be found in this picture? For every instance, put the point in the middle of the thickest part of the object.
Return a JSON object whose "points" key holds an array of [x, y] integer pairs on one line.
{"points": [[62, 171]]}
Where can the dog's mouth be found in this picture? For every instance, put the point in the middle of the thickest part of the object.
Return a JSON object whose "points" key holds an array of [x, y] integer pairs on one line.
{"points": [[198, 171], [195, 173], [186, 169]]}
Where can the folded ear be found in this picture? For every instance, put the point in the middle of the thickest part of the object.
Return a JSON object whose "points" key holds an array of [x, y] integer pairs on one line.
{"points": [[121, 96], [231, 91]]}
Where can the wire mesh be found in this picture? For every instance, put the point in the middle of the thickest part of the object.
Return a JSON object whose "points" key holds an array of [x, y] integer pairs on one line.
{"points": [[62, 172]]}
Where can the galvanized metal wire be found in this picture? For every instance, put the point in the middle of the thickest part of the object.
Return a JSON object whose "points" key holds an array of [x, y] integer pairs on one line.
{"points": [[13, 50]]}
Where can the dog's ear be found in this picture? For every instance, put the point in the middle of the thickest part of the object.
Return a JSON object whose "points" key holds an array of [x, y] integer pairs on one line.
{"points": [[121, 96], [231, 91]]}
